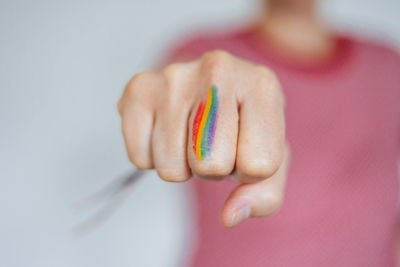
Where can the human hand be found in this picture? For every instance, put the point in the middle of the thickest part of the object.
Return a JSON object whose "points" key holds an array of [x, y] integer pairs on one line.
{"points": [[212, 117]]}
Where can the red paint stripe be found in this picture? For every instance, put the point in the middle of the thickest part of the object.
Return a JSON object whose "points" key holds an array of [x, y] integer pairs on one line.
{"points": [[196, 123]]}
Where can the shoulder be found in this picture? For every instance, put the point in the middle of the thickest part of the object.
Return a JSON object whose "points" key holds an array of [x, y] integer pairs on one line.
{"points": [[381, 62], [378, 51]]}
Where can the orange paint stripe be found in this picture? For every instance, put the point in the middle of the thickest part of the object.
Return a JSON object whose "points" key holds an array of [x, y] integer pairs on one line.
{"points": [[202, 124]]}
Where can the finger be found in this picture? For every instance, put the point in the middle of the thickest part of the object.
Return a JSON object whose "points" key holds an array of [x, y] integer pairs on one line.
{"points": [[262, 130], [256, 199], [137, 118], [169, 139], [213, 134]]}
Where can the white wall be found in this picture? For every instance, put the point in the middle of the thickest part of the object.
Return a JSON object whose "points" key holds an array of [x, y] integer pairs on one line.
{"points": [[63, 65]]}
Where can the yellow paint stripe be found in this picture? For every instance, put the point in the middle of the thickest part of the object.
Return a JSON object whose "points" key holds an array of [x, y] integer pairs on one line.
{"points": [[202, 124]]}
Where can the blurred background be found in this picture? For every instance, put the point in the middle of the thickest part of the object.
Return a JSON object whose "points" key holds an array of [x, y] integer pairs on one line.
{"points": [[63, 66]]}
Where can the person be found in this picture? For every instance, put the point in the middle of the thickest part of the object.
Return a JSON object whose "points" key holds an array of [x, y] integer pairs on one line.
{"points": [[244, 104]]}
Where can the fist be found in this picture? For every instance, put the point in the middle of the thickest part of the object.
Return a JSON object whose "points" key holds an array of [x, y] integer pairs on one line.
{"points": [[213, 117]]}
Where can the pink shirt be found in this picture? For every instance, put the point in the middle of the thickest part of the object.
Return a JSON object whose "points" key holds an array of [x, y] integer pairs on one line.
{"points": [[343, 126]]}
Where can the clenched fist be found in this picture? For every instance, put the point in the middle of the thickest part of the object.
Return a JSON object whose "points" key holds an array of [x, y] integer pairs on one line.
{"points": [[211, 117]]}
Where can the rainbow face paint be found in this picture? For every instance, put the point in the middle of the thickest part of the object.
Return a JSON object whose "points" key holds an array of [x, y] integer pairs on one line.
{"points": [[204, 124]]}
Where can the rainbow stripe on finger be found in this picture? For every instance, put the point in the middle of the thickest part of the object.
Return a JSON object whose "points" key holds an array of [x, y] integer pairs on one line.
{"points": [[204, 124]]}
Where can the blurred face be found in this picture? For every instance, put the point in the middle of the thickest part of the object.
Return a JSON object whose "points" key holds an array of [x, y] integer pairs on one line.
{"points": [[295, 4]]}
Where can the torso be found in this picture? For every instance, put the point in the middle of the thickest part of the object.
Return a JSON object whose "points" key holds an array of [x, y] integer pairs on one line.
{"points": [[343, 127]]}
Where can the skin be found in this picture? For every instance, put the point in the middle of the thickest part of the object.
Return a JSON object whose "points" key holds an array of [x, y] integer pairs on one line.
{"points": [[158, 108]]}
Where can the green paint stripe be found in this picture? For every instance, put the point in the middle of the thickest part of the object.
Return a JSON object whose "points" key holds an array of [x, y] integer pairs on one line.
{"points": [[204, 139]]}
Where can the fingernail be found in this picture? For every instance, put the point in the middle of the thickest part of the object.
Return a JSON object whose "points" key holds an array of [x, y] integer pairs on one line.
{"points": [[240, 215]]}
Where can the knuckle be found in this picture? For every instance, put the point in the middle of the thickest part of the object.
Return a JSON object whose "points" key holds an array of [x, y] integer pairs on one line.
{"points": [[266, 73], [173, 174], [175, 85], [139, 162], [133, 89], [214, 62], [216, 55], [139, 78], [259, 168], [214, 168], [171, 71]]}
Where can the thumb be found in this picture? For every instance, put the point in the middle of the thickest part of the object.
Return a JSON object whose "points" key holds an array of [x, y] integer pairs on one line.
{"points": [[259, 199]]}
